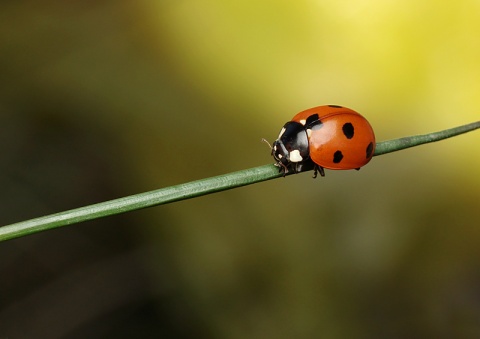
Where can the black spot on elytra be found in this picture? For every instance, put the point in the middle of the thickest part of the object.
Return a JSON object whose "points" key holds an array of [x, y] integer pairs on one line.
{"points": [[348, 130], [337, 157], [335, 106], [369, 150], [312, 119]]}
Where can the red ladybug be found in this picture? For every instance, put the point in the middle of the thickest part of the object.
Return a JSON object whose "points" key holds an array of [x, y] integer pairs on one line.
{"points": [[332, 137]]}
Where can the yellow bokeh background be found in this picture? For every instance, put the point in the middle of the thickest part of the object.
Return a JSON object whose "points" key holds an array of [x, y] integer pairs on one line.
{"points": [[100, 100]]}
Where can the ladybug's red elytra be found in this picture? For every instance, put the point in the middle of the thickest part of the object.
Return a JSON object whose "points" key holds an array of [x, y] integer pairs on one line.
{"points": [[332, 137]]}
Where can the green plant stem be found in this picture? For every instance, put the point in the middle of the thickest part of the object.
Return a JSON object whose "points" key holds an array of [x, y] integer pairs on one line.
{"points": [[417, 140], [196, 188], [142, 200]]}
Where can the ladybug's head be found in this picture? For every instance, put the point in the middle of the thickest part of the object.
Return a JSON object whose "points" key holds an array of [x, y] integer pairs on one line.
{"points": [[291, 145], [280, 152]]}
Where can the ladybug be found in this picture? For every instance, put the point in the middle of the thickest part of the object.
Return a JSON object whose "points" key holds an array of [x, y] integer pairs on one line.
{"points": [[332, 137]]}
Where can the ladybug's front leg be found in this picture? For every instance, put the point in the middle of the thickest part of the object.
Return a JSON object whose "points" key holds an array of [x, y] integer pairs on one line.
{"points": [[282, 168]]}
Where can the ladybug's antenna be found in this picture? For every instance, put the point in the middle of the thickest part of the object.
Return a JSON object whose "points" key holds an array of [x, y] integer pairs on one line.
{"points": [[265, 141]]}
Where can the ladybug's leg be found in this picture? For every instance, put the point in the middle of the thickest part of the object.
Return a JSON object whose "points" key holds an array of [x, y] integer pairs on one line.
{"points": [[282, 168], [297, 167], [318, 169]]}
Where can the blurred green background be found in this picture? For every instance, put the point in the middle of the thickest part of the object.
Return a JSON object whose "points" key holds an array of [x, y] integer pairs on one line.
{"points": [[103, 99]]}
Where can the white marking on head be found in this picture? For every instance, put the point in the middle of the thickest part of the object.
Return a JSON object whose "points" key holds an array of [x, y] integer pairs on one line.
{"points": [[303, 122], [309, 132], [279, 156], [281, 132], [295, 156]]}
